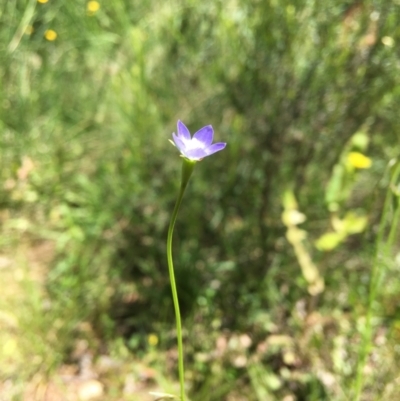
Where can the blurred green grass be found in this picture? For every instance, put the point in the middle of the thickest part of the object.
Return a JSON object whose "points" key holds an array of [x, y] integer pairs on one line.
{"points": [[88, 175]]}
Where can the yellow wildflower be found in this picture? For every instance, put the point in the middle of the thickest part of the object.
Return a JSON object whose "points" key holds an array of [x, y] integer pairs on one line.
{"points": [[50, 35], [358, 160], [92, 7], [152, 339], [42, 1]]}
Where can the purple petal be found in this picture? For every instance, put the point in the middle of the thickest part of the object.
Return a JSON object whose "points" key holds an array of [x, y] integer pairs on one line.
{"points": [[216, 147], [178, 142], [205, 135], [183, 132], [195, 154]]}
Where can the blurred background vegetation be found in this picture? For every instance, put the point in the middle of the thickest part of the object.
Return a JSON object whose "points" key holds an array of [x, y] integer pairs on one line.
{"points": [[285, 247]]}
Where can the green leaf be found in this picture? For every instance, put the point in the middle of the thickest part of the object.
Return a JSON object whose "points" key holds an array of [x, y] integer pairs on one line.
{"points": [[329, 241], [354, 224]]}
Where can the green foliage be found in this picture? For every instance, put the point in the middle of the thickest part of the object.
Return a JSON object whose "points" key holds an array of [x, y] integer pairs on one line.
{"points": [[293, 87]]}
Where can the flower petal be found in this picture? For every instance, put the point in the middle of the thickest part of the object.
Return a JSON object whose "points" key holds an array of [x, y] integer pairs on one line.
{"points": [[195, 154], [183, 132], [178, 142], [216, 147], [205, 135]]}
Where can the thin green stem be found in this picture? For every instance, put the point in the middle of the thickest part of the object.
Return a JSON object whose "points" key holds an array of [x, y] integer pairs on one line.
{"points": [[187, 169], [382, 248]]}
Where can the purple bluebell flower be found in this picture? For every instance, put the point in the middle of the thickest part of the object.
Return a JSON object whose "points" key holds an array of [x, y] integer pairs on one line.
{"points": [[199, 146]]}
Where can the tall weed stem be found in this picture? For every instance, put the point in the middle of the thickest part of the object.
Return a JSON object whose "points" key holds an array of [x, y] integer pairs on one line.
{"points": [[382, 250], [187, 169]]}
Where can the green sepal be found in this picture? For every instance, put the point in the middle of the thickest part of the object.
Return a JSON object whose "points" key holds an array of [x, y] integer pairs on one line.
{"points": [[187, 170]]}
